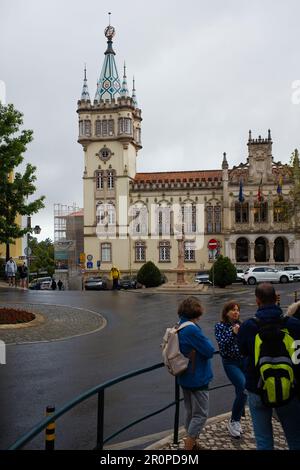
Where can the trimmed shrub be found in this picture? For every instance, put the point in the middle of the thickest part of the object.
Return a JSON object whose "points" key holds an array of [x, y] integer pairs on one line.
{"points": [[224, 272], [149, 275]]}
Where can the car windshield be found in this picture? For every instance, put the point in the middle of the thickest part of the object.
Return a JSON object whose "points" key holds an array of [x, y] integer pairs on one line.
{"points": [[94, 279]]}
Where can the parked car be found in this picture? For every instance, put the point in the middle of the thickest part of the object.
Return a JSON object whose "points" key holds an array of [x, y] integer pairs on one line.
{"points": [[129, 282], [295, 270], [202, 277], [266, 274], [96, 283], [40, 283], [239, 275]]}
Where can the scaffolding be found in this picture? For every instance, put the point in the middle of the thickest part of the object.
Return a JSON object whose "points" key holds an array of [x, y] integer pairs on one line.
{"points": [[68, 236]]}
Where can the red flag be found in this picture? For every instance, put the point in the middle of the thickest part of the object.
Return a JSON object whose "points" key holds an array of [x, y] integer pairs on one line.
{"points": [[259, 192]]}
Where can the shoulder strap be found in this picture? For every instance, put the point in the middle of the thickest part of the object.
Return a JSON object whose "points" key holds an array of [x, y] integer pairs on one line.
{"points": [[183, 325]]}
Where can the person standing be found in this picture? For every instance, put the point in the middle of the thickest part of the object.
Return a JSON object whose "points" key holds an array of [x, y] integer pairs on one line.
{"points": [[53, 284], [60, 284], [226, 335], [195, 380], [268, 316], [115, 275], [10, 271], [23, 275]]}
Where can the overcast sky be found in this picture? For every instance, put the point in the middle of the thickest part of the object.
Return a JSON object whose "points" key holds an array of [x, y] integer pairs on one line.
{"points": [[206, 72]]}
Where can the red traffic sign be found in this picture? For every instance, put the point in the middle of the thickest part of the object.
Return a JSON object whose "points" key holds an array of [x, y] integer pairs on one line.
{"points": [[212, 244]]}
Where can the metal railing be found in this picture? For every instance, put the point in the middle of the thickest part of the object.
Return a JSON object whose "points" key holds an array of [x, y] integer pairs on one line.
{"points": [[99, 389]]}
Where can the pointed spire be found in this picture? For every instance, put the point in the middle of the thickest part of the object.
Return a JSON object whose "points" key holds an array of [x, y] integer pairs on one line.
{"points": [[225, 162], [85, 96], [133, 94], [250, 136], [124, 90], [109, 85], [269, 134]]}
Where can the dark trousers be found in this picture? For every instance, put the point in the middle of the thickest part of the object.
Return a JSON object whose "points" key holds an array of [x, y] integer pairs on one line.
{"points": [[115, 284]]}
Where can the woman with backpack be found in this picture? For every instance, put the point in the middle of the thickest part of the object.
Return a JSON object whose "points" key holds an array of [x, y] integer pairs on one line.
{"points": [[194, 381], [226, 335]]}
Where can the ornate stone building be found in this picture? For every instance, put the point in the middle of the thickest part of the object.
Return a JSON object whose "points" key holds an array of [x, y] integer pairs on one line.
{"points": [[131, 217]]}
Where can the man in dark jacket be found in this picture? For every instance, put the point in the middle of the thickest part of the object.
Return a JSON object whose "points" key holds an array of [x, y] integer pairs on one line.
{"points": [[288, 414]]}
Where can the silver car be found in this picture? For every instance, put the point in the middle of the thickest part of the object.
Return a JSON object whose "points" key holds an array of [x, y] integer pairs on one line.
{"points": [[266, 274]]}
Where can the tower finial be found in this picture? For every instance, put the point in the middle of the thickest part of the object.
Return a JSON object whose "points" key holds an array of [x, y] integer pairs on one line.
{"points": [[109, 13], [269, 134], [85, 96], [124, 90], [250, 135], [133, 93], [224, 162]]}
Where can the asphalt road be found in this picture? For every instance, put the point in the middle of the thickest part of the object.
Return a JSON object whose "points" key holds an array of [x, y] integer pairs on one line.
{"points": [[55, 372]]}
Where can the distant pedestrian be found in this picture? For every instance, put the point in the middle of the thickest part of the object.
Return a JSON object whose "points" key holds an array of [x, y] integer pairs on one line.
{"points": [[194, 381], [226, 335], [263, 340], [23, 271], [115, 275], [10, 271], [53, 284], [60, 285]]}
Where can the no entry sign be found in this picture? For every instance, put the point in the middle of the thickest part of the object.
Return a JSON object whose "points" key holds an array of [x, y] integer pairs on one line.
{"points": [[212, 244]]}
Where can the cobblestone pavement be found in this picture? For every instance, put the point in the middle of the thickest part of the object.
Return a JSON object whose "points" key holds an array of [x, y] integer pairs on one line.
{"points": [[60, 322], [215, 436]]}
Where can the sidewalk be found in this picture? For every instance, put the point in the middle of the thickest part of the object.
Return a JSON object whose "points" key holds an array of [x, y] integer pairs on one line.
{"points": [[215, 436]]}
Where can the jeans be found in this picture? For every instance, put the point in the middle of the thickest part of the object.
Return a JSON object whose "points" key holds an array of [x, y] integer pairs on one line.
{"points": [[289, 417], [196, 410], [234, 370]]}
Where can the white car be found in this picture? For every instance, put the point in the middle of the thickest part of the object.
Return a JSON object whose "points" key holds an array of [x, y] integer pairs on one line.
{"points": [[265, 274], [293, 270]]}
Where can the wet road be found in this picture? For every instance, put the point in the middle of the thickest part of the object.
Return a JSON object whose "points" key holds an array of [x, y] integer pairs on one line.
{"points": [[42, 374]]}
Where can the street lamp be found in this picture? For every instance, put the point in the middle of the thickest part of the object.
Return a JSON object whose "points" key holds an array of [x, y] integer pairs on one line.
{"points": [[37, 230]]}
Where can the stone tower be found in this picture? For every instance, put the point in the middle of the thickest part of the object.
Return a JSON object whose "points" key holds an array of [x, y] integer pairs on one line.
{"points": [[260, 159], [110, 134]]}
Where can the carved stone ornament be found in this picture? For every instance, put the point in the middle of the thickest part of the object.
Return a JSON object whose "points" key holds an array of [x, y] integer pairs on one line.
{"points": [[104, 154]]}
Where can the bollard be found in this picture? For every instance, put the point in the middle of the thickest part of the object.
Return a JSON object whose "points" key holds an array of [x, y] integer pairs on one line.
{"points": [[50, 430], [296, 296], [278, 299]]}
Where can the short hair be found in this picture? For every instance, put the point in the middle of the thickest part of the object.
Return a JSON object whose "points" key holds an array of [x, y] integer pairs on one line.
{"points": [[190, 308], [228, 306], [294, 310], [265, 292]]}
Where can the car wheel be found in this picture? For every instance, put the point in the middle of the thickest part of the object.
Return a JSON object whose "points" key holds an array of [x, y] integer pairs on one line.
{"points": [[251, 281], [284, 279]]}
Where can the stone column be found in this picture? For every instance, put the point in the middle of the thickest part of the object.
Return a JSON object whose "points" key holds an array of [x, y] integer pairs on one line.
{"points": [[252, 246], [271, 250], [291, 252], [232, 257]]}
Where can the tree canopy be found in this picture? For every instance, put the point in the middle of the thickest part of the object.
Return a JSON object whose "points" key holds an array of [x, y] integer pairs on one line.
{"points": [[15, 187]]}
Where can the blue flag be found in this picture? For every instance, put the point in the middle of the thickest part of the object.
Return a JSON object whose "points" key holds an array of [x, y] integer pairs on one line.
{"points": [[241, 195]]}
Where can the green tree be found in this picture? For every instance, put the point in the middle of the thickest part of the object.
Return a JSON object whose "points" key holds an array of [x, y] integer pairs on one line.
{"points": [[149, 275], [223, 272], [14, 190], [42, 255]]}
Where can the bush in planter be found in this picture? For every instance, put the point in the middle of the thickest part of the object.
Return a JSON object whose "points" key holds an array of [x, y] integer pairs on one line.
{"points": [[224, 272], [149, 275]]}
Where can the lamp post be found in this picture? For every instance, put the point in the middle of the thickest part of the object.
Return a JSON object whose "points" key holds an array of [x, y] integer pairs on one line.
{"points": [[37, 230]]}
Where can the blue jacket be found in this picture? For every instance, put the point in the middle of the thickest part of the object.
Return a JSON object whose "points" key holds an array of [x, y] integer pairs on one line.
{"points": [[227, 341], [246, 339], [199, 373]]}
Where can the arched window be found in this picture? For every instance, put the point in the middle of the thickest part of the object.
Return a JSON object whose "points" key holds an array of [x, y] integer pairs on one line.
{"points": [[87, 127], [125, 126], [213, 219], [163, 221], [261, 250], [99, 180], [280, 250], [189, 218], [80, 127], [105, 214], [140, 251], [260, 212], [139, 222], [110, 180], [281, 211], [241, 210], [98, 127], [164, 251], [242, 250]]}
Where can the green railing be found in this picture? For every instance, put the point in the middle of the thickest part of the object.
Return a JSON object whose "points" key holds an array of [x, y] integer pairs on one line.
{"points": [[99, 389]]}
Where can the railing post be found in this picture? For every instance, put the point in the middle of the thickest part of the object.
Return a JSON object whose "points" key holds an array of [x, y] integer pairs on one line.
{"points": [[50, 430], [177, 405], [100, 420]]}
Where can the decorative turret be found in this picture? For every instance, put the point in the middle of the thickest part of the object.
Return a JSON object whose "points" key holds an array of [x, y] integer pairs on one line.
{"points": [[224, 162], [109, 86], [260, 158], [85, 96], [133, 94], [124, 90]]}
